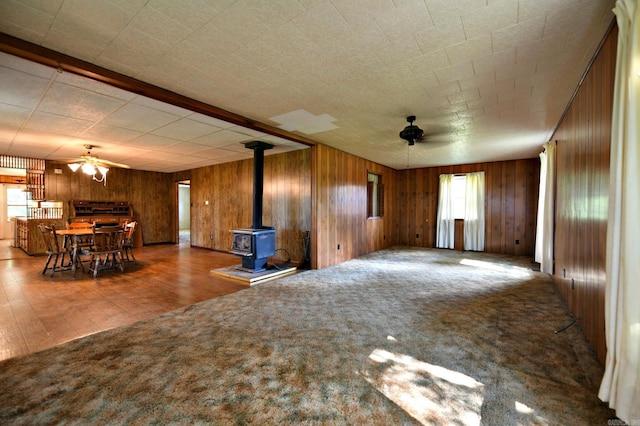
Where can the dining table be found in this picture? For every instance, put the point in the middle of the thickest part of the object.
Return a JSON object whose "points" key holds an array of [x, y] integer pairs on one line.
{"points": [[71, 242]]}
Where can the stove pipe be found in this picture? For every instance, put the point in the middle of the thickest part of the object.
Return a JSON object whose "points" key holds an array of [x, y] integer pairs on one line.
{"points": [[258, 148]]}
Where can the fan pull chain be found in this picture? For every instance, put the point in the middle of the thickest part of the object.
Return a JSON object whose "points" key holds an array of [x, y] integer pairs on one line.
{"points": [[407, 156]]}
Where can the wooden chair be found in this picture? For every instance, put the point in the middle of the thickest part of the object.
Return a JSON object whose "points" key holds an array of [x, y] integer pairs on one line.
{"points": [[83, 243], [54, 251], [127, 244], [106, 252]]}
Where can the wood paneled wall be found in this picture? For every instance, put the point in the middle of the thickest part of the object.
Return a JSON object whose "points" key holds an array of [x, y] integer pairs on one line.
{"points": [[584, 141], [340, 228], [222, 199], [510, 204], [151, 195]]}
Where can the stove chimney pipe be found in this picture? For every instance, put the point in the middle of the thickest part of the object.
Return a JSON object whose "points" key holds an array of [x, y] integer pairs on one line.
{"points": [[258, 148]]}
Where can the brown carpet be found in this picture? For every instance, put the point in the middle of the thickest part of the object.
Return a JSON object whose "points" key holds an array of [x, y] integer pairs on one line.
{"points": [[400, 336]]}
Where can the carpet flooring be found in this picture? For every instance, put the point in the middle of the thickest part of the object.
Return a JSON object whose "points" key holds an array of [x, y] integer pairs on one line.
{"points": [[399, 336]]}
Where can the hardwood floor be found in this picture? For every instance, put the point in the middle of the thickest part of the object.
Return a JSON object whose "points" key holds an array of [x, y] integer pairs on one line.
{"points": [[38, 311]]}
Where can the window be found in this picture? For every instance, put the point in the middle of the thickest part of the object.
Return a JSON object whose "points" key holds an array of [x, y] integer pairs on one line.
{"points": [[458, 188], [375, 195], [16, 203]]}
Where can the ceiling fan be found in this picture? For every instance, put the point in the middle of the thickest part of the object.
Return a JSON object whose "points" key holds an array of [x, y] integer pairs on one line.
{"points": [[412, 133], [94, 166]]}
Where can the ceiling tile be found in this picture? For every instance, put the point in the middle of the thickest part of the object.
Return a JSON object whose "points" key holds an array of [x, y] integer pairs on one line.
{"points": [[69, 101], [489, 18], [321, 22], [152, 141], [159, 26], [20, 89], [456, 72], [442, 11], [522, 33], [36, 21], [13, 116], [210, 120], [444, 34], [221, 138], [139, 118], [57, 124], [25, 66], [190, 13], [185, 129], [113, 134]]}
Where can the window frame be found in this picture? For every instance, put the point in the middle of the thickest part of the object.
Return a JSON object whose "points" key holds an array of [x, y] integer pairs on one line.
{"points": [[375, 195]]}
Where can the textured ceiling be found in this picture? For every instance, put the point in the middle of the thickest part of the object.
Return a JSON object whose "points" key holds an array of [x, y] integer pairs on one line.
{"points": [[489, 79]]}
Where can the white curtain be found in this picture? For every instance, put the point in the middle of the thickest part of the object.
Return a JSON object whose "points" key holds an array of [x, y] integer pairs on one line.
{"points": [[474, 212], [446, 222], [621, 382], [546, 208]]}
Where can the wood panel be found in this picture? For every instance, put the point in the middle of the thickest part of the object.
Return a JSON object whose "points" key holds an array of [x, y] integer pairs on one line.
{"points": [[150, 194], [510, 204], [340, 227], [584, 143], [222, 199]]}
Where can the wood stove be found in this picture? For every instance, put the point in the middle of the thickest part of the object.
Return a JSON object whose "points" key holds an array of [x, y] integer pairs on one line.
{"points": [[255, 246], [257, 243]]}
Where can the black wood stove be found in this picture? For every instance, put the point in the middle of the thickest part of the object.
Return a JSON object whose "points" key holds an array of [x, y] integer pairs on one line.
{"points": [[257, 243]]}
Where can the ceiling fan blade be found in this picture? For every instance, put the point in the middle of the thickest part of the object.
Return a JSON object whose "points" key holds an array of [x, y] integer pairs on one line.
{"points": [[112, 163], [91, 159]]}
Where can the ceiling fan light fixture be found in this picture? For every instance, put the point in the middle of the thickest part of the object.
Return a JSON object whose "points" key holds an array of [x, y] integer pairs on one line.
{"points": [[88, 169], [93, 166]]}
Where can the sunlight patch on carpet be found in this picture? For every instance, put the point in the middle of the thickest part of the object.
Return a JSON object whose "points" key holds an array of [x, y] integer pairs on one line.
{"points": [[521, 408], [429, 393], [514, 271]]}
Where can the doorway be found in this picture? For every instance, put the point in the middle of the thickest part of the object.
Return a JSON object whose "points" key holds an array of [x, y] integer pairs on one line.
{"points": [[184, 212], [13, 203]]}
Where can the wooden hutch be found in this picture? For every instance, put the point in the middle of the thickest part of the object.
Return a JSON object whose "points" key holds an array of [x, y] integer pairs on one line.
{"points": [[100, 212]]}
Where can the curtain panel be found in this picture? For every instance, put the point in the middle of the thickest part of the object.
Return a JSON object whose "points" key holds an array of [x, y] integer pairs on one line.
{"points": [[445, 221], [474, 212], [546, 208], [620, 385]]}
